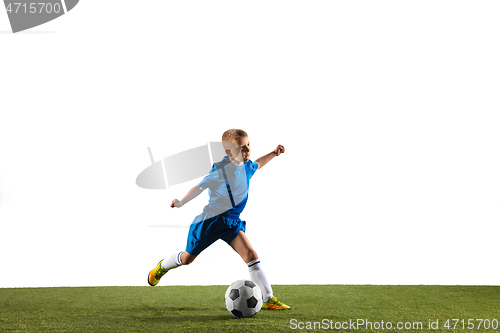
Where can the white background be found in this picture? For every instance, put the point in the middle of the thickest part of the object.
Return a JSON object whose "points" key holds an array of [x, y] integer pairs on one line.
{"points": [[388, 110]]}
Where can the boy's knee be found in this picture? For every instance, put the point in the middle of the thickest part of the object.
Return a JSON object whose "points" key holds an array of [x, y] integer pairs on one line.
{"points": [[252, 255], [187, 258], [186, 261]]}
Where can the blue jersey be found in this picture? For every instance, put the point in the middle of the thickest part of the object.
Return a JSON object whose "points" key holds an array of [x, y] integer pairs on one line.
{"points": [[228, 186]]}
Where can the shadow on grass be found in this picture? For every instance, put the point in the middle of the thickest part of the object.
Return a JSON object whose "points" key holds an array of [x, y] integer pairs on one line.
{"points": [[182, 318], [178, 314]]}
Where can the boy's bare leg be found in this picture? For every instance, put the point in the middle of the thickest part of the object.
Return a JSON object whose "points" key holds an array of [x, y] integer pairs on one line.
{"points": [[241, 244], [187, 258]]}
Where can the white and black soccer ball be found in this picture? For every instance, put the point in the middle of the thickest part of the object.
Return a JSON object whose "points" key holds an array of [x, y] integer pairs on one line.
{"points": [[243, 299]]}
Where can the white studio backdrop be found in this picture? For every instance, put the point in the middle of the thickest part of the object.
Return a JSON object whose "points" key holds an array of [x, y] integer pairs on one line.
{"points": [[388, 111]]}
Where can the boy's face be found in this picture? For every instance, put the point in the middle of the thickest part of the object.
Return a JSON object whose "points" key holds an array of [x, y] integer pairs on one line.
{"points": [[239, 149]]}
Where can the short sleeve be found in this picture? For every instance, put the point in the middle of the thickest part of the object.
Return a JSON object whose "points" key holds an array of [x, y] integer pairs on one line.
{"points": [[211, 179], [253, 167]]}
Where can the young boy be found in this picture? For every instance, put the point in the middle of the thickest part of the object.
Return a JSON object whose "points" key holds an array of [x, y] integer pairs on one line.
{"points": [[228, 184]]}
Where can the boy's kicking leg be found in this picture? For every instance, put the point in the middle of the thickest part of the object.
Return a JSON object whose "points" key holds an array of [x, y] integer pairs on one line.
{"points": [[241, 244], [175, 260]]}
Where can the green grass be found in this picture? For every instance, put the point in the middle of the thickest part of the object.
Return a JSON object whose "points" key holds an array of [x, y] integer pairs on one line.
{"points": [[201, 308]]}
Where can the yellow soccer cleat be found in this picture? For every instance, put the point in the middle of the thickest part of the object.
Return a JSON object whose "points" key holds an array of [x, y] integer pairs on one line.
{"points": [[274, 304], [155, 275]]}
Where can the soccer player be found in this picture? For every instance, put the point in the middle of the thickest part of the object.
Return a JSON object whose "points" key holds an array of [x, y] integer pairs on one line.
{"points": [[228, 184]]}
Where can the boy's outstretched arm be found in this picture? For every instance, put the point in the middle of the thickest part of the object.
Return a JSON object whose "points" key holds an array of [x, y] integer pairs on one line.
{"points": [[261, 161], [192, 193]]}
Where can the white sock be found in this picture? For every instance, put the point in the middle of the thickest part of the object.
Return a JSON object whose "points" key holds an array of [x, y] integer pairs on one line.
{"points": [[257, 275], [172, 262]]}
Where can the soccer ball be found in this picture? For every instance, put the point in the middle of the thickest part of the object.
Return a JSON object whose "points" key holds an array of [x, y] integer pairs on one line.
{"points": [[243, 299]]}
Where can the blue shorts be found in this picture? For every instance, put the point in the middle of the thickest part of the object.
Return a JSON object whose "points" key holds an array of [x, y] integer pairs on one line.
{"points": [[202, 234]]}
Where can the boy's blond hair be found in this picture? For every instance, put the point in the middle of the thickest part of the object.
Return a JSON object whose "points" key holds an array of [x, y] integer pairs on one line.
{"points": [[233, 134]]}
